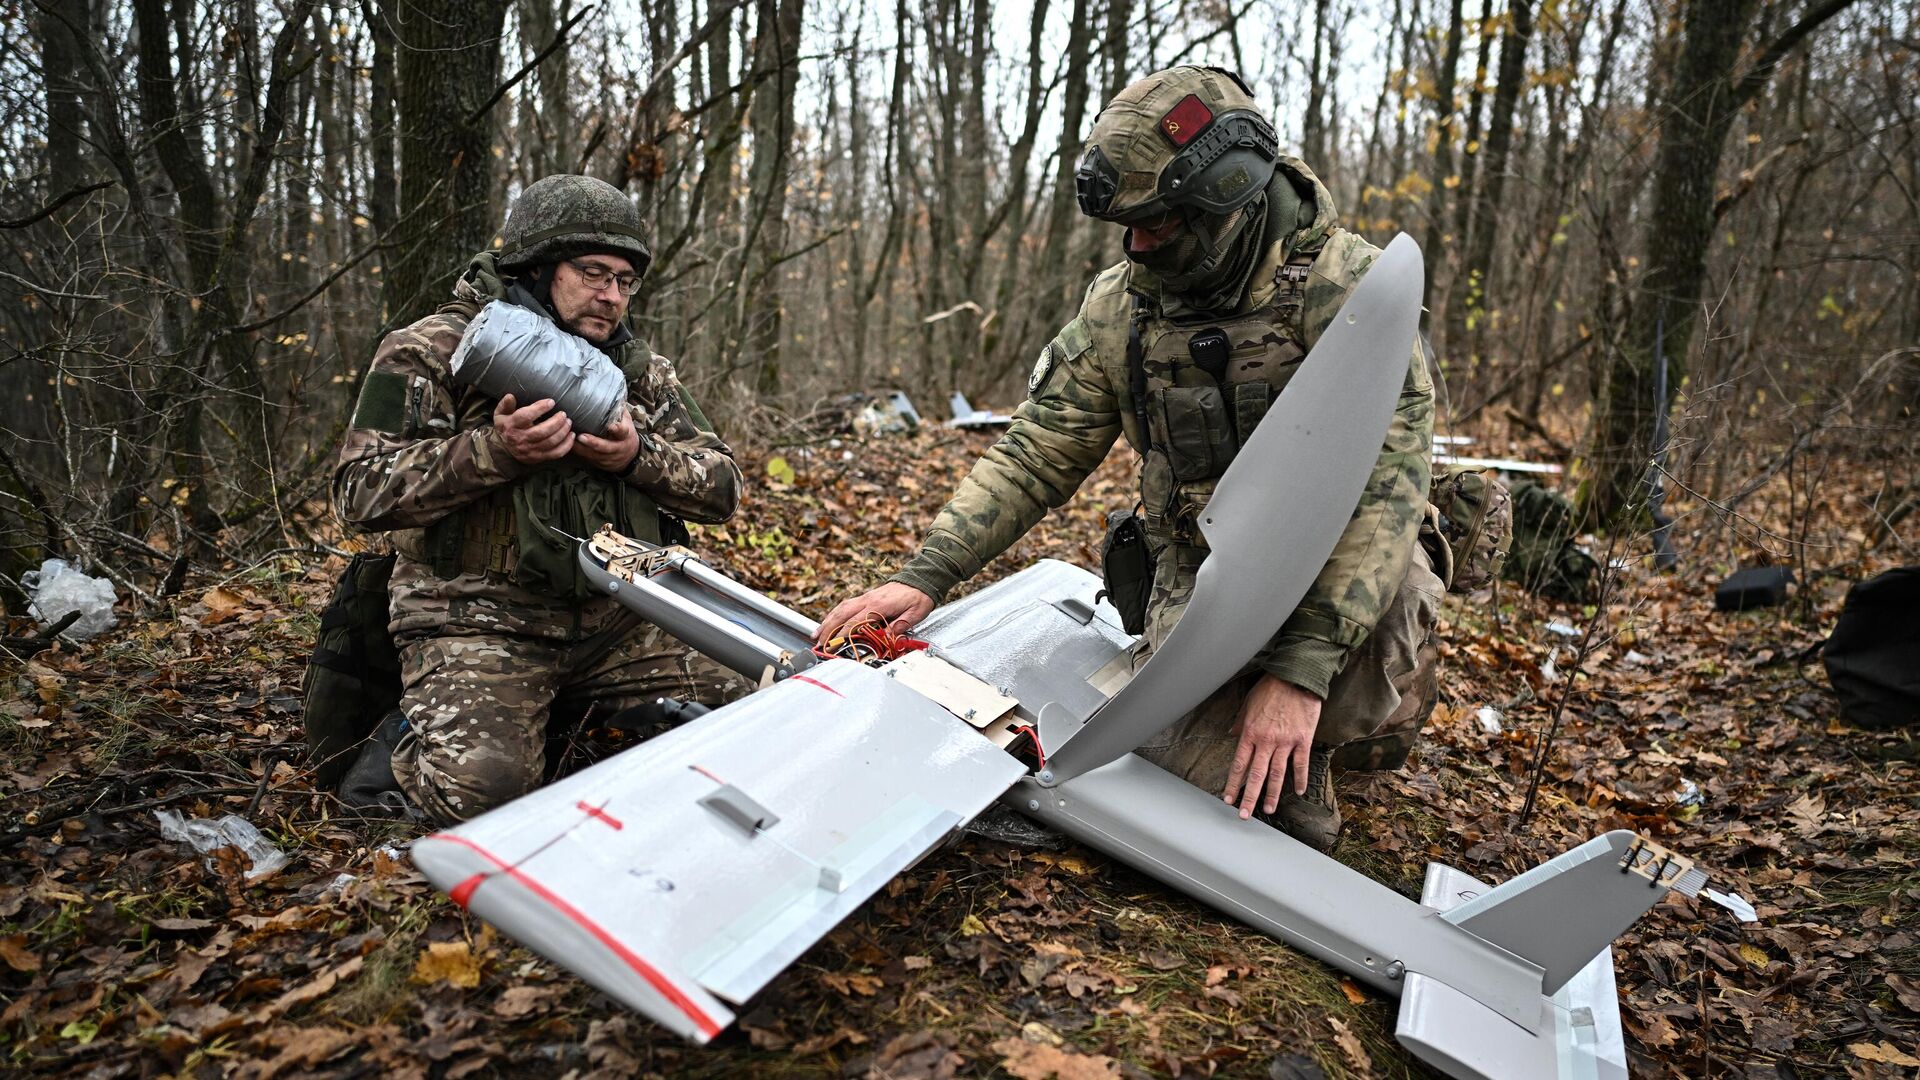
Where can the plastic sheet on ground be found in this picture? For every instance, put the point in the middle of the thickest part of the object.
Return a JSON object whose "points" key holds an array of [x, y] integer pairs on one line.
{"points": [[58, 588], [231, 831]]}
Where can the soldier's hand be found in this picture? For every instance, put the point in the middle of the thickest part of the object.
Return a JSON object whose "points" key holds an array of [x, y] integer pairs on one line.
{"points": [[896, 603], [611, 452], [530, 435], [1276, 727]]}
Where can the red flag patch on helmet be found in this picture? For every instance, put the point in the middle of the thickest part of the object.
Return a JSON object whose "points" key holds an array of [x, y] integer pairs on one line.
{"points": [[1186, 119]]}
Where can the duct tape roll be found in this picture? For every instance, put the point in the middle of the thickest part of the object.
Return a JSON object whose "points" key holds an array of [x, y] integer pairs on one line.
{"points": [[509, 349]]}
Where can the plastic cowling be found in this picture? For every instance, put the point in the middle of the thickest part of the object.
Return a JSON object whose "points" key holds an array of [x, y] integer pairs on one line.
{"points": [[508, 349]]}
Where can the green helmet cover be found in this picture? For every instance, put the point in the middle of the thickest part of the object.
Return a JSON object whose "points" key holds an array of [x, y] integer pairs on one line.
{"points": [[566, 216]]}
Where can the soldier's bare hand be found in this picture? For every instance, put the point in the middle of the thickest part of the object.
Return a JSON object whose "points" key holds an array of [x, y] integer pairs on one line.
{"points": [[613, 451], [898, 604], [530, 435], [1276, 727]]}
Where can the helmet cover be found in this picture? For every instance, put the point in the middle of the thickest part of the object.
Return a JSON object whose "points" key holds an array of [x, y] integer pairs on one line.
{"points": [[566, 216]]}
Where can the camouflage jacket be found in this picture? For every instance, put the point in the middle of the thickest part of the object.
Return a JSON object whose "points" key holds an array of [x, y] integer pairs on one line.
{"points": [[421, 446], [1081, 402]]}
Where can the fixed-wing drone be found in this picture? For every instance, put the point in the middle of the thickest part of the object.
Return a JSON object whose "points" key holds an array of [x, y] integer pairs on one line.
{"points": [[682, 875]]}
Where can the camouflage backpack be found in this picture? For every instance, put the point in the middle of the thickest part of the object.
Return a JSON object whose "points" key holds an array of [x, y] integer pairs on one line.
{"points": [[1545, 558], [1469, 527]]}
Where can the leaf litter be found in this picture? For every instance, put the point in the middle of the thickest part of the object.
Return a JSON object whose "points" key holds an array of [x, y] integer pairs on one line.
{"points": [[126, 954]]}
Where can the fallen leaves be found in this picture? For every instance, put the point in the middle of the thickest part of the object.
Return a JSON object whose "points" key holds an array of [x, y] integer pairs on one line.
{"points": [[1350, 1046], [1906, 991], [222, 604], [917, 1055], [320, 986], [852, 983], [450, 962], [522, 1001], [1057, 962], [1043, 1061], [1884, 1052], [13, 949], [299, 1047]]}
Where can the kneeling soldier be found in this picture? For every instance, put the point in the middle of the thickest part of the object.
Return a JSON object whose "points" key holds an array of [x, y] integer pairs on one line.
{"points": [[482, 497]]}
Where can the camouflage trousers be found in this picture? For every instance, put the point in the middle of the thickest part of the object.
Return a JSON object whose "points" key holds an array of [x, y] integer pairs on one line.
{"points": [[478, 701], [1374, 710]]}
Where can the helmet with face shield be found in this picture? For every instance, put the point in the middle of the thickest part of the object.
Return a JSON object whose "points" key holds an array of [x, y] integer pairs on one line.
{"points": [[1186, 144]]}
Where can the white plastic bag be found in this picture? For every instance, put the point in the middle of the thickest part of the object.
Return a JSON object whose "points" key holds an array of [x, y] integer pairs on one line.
{"points": [[57, 588], [230, 831]]}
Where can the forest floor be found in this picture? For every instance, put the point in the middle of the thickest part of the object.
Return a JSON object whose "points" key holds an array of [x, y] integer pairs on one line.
{"points": [[126, 954]]}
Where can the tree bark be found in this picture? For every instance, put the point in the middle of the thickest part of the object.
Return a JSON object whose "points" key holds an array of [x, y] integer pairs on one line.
{"points": [[1705, 99], [1467, 307], [60, 60], [1443, 174], [1057, 279], [1463, 206], [1313, 132], [447, 65], [777, 64]]}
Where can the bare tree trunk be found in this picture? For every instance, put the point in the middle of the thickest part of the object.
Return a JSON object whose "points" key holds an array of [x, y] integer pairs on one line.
{"points": [[1118, 47], [1443, 173], [1313, 131], [777, 63], [539, 21], [1466, 306], [213, 244], [448, 67], [1706, 97], [60, 60], [1464, 203], [886, 262], [1056, 280], [1376, 130]]}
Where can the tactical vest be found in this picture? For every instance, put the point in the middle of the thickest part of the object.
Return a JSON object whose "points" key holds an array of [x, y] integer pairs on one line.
{"points": [[526, 531], [1200, 386]]}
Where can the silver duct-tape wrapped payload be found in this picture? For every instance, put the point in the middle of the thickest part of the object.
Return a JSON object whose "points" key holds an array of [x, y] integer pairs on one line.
{"points": [[509, 349]]}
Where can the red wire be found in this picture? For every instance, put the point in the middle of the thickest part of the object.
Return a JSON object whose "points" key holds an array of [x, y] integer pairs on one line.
{"points": [[873, 636], [1039, 751]]}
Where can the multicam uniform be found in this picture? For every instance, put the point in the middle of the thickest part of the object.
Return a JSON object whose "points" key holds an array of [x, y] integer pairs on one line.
{"points": [[1359, 636], [483, 657]]}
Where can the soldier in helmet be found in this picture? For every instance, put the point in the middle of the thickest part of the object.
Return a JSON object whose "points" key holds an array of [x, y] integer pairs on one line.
{"points": [[480, 496], [1234, 267]]}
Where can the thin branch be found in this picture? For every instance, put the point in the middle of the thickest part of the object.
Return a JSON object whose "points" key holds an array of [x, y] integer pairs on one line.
{"points": [[559, 39], [44, 291], [21, 223], [1749, 84], [381, 243]]}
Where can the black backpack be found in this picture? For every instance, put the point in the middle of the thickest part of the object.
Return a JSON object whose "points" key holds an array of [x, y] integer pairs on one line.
{"points": [[353, 677], [1873, 655]]}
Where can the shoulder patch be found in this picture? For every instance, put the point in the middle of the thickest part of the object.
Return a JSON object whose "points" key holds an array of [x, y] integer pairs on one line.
{"points": [[383, 402], [1042, 368]]}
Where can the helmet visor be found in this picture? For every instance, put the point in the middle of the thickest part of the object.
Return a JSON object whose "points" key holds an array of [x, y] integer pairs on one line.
{"points": [[1219, 170]]}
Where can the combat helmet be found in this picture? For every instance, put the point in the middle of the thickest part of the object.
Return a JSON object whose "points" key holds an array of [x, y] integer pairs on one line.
{"points": [[565, 216], [1185, 141]]}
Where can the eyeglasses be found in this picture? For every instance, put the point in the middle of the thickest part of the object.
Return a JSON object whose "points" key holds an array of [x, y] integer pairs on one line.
{"points": [[599, 277]]}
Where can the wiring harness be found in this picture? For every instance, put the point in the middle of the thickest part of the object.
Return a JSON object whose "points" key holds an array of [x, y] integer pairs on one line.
{"points": [[867, 640]]}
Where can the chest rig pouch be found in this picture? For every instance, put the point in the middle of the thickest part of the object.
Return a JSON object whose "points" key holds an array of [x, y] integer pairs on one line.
{"points": [[1200, 388]]}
